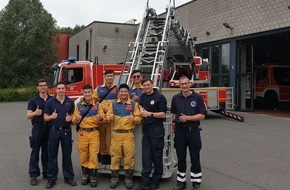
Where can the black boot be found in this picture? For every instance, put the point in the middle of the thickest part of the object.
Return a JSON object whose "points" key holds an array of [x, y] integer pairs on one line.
{"points": [[107, 159], [114, 179], [129, 179], [85, 179], [100, 157], [93, 177]]}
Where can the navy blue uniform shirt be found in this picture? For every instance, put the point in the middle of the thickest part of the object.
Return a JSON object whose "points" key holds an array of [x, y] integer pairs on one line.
{"points": [[154, 102], [191, 105], [62, 109], [32, 105]]}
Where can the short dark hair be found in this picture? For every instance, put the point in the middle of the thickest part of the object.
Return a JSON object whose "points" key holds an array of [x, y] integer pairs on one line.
{"points": [[183, 77], [109, 71], [147, 79], [41, 80], [124, 86], [59, 82], [135, 71], [87, 86]]}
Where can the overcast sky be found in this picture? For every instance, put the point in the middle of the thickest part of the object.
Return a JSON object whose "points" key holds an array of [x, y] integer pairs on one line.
{"points": [[83, 12]]}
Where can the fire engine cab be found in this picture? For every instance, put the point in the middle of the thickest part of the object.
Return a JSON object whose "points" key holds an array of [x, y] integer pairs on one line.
{"points": [[272, 84], [78, 73]]}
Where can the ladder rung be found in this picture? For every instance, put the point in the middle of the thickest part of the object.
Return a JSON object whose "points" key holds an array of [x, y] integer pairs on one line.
{"points": [[146, 66]]}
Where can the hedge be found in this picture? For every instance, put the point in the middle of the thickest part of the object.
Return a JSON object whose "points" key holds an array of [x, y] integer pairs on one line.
{"points": [[17, 94]]}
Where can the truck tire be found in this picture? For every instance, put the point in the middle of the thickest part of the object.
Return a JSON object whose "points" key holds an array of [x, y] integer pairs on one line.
{"points": [[270, 100]]}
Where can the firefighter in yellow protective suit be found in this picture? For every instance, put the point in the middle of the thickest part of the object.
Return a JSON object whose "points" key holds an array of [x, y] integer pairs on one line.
{"points": [[87, 118], [125, 115], [105, 94]]}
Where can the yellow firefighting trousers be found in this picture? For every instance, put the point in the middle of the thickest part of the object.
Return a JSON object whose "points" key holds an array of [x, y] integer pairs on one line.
{"points": [[105, 138], [123, 143], [88, 147]]}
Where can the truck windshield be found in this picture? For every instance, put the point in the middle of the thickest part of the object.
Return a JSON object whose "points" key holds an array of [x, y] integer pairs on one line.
{"points": [[54, 77], [282, 75]]}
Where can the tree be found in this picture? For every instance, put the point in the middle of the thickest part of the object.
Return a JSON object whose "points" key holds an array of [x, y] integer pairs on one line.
{"points": [[69, 30], [26, 44]]}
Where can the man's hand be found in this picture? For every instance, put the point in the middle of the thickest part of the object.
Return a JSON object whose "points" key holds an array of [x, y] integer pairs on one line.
{"points": [[99, 117], [53, 115], [38, 111], [173, 126], [68, 117], [144, 112], [183, 118], [131, 117], [111, 117], [135, 98], [78, 118]]}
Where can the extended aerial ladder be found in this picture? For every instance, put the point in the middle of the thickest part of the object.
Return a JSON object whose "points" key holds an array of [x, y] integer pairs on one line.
{"points": [[161, 42], [149, 52]]}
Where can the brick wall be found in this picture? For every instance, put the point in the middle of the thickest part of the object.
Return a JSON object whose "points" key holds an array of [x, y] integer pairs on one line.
{"points": [[245, 16], [115, 36], [198, 17]]}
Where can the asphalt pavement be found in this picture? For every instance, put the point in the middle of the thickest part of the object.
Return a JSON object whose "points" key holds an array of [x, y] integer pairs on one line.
{"points": [[253, 155]]}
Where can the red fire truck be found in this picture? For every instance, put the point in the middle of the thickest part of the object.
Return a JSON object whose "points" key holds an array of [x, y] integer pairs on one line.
{"points": [[272, 84], [78, 73]]}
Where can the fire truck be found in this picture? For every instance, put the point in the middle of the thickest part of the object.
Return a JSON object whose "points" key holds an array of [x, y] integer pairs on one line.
{"points": [[78, 73], [272, 84], [161, 45]]}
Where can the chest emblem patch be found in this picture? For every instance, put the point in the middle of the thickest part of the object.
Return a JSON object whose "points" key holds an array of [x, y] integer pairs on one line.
{"points": [[193, 104], [152, 102]]}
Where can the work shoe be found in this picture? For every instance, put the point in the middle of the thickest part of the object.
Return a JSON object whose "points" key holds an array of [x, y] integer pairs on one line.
{"points": [[195, 186], [33, 181], [141, 187], [93, 177], [85, 179], [154, 187], [114, 179], [180, 186], [50, 184], [71, 182], [129, 179]]}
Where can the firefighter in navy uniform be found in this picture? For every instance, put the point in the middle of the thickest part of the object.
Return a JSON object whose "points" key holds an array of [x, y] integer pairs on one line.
{"points": [[187, 109], [58, 111], [153, 107], [39, 132]]}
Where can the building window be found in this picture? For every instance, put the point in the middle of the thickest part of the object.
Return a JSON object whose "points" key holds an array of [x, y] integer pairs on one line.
{"points": [[219, 60], [78, 52], [87, 50]]}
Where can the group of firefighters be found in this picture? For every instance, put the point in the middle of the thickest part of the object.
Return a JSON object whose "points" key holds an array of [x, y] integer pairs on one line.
{"points": [[105, 120]]}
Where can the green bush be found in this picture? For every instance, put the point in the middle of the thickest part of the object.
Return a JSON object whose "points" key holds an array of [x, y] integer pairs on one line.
{"points": [[17, 94]]}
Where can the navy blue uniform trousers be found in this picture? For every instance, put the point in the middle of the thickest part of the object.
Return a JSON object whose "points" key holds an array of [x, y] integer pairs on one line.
{"points": [[38, 141], [55, 138], [188, 137], [152, 152]]}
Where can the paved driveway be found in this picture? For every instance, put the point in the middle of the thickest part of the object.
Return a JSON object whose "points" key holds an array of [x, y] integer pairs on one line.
{"points": [[253, 155]]}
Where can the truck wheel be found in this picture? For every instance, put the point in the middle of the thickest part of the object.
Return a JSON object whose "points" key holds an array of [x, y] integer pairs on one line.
{"points": [[270, 100]]}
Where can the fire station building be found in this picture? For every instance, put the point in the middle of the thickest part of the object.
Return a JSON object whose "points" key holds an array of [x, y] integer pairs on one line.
{"points": [[235, 36]]}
